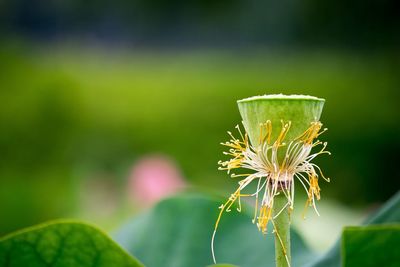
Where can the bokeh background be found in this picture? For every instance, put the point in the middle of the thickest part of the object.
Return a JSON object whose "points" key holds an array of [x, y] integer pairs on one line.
{"points": [[108, 106]]}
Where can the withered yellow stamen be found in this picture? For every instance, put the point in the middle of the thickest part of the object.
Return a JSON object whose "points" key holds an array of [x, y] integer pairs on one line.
{"points": [[274, 174]]}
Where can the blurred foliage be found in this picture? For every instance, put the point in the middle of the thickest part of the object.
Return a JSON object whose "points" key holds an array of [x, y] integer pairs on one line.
{"points": [[68, 113], [169, 234], [237, 241], [387, 214], [237, 233], [371, 246]]}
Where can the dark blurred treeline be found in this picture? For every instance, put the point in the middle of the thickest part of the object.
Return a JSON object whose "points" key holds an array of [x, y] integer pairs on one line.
{"points": [[358, 23]]}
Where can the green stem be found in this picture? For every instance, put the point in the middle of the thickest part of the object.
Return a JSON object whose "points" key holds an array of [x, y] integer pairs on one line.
{"points": [[282, 234]]}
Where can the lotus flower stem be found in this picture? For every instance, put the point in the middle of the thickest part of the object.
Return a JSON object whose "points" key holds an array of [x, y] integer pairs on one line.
{"points": [[281, 231]]}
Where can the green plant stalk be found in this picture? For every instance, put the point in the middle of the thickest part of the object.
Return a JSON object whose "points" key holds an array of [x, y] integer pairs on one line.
{"points": [[282, 231]]}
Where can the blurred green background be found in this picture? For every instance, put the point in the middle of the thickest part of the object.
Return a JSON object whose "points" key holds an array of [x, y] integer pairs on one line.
{"points": [[89, 89]]}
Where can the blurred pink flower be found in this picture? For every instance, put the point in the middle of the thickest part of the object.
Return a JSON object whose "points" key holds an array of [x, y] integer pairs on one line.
{"points": [[152, 178]]}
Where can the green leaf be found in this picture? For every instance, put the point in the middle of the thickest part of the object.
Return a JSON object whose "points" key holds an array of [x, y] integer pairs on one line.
{"points": [[177, 232], [62, 244], [371, 246], [222, 265], [389, 213]]}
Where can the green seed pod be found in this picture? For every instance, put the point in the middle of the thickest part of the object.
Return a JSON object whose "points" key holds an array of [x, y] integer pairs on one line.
{"points": [[300, 110]]}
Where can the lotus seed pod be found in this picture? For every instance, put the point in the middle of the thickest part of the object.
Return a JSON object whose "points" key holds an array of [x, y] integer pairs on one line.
{"points": [[299, 110]]}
